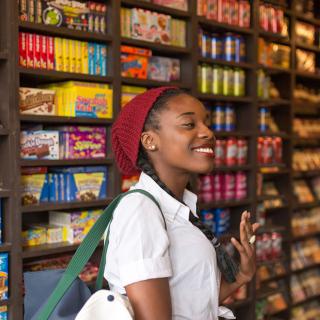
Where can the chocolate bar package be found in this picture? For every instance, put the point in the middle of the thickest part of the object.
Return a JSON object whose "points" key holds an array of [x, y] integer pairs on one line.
{"points": [[37, 101], [39, 145]]}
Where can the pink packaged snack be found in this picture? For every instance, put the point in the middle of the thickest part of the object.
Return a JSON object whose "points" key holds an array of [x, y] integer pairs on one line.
{"points": [[83, 142]]}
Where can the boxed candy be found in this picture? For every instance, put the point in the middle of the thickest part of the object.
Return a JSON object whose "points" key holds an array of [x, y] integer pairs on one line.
{"points": [[34, 183], [3, 313], [4, 268], [34, 236], [164, 69], [39, 145], [37, 101]]}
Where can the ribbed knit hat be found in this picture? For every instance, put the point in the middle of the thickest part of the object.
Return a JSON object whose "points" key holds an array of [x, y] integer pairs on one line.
{"points": [[126, 130]]}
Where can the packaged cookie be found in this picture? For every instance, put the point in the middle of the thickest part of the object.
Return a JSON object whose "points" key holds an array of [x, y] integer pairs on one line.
{"points": [[37, 101], [34, 189], [4, 263], [39, 145]]}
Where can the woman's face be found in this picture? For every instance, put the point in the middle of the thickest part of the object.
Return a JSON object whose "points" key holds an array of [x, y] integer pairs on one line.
{"points": [[184, 141]]}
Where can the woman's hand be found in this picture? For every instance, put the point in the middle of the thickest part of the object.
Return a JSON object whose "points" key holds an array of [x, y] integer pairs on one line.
{"points": [[246, 249]]}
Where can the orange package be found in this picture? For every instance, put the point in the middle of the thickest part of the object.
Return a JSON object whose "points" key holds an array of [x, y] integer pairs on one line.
{"points": [[134, 62]]}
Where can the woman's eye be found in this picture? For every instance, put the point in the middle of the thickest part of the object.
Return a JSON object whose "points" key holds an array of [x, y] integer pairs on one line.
{"points": [[189, 125]]}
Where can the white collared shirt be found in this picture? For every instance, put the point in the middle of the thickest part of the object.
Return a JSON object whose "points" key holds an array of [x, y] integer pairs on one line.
{"points": [[140, 248]]}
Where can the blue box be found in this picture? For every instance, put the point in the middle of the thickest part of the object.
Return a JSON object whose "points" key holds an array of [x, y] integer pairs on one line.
{"points": [[91, 57], [97, 65], [4, 267], [103, 59], [3, 313]]}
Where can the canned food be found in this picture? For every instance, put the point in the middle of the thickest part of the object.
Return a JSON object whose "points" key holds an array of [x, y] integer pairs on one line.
{"points": [[240, 49], [205, 78], [242, 151], [244, 13], [231, 152], [272, 19], [277, 149], [239, 82], [280, 19], [230, 118], [218, 186], [216, 47], [267, 150], [207, 217], [264, 119], [205, 45], [228, 81], [263, 17], [260, 149], [220, 152], [240, 185], [267, 246], [229, 47], [229, 186], [276, 251], [217, 80], [218, 118]]}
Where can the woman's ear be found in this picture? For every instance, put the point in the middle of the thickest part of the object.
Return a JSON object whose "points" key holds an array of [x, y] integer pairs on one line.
{"points": [[148, 141]]}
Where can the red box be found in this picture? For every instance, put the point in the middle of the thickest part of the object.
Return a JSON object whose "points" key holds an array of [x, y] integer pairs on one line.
{"points": [[225, 11], [23, 49], [234, 12], [212, 9], [50, 53], [43, 52], [37, 51], [30, 50], [244, 14]]}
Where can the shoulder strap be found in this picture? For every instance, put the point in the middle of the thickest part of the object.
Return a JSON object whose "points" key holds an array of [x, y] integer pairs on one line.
{"points": [[99, 280], [83, 254]]}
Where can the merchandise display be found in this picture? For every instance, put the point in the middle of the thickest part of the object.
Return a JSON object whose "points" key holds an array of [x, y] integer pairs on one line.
{"points": [[77, 15], [152, 26], [234, 12], [220, 80], [59, 54], [228, 47], [67, 67]]}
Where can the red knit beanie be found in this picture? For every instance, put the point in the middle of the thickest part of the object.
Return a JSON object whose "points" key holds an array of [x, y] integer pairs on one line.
{"points": [[126, 130]]}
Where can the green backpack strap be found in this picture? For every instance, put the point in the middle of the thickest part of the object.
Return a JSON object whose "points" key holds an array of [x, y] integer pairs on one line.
{"points": [[84, 252], [99, 280]]}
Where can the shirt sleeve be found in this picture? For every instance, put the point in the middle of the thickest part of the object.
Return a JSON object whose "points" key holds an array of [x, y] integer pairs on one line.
{"points": [[141, 240]]}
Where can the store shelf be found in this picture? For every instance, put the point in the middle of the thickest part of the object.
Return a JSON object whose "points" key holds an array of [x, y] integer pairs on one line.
{"points": [[273, 102], [273, 168], [64, 120], [305, 18], [213, 97], [156, 47], [275, 209], [5, 247], [71, 162], [63, 32], [308, 173], [305, 105], [233, 168], [307, 205], [152, 83], [3, 55], [315, 297], [222, 204], [4, 132], [306, 236], [4, 193], [282, 135], [42, 207], [274, 69], [307, 47], [48, 249], [306, 268], [5, 302], [37, 76], [154, 7], [222, 134], [274, 37], [211, 24], [234, 64], [308, 75], [239, 304]]}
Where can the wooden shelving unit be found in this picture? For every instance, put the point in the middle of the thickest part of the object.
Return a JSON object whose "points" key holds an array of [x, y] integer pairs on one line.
{"points": [[12, 76]]}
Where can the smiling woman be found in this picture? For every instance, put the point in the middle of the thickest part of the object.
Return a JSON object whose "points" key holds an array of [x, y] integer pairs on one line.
{"points": [[173, 268]]}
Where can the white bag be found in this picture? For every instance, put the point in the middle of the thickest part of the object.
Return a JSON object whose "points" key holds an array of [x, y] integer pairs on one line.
{"points": [[106, 305]]}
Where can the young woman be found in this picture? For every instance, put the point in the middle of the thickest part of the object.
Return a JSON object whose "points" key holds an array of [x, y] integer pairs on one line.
{"points": [[166, 265]]}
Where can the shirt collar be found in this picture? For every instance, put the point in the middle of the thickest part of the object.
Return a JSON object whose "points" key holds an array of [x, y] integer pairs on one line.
{"points": [[170, 206]]}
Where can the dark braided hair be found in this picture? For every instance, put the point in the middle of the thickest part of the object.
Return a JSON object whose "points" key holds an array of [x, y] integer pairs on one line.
{"points": [[227, 266]]}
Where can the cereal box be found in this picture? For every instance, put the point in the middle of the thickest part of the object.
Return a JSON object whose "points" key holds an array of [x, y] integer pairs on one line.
{"points": [[39, 145], [103, 59], [37, 101], [91, 58], [66, 55], [30, 50], [129, 92], [4, 313], [58, 54], [97, 61], [84, 57], [78, 56], [72, 52], [37, 50], [51, 53], [35, 188], [23, 49], [134, 62], [4, 269], [43, 52]]}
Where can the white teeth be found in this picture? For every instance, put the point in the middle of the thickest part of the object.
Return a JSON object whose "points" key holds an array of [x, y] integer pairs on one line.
{"points": [[206, 150]]}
